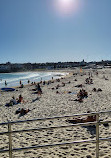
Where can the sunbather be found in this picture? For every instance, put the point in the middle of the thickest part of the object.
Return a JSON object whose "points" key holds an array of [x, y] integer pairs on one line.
{"points": [[12, 102], [22, 111], [91, 118], [20, 99]]}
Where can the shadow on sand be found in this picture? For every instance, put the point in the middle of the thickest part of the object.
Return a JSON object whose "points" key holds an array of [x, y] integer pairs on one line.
{"points": [[91, 129]]}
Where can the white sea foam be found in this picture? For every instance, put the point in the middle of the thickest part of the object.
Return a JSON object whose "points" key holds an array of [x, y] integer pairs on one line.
{"points": [[13, 79], [21, 78]]}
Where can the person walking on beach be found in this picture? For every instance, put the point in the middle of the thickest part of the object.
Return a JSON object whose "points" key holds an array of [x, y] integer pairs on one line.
{"points": [[5, 83], [20, 82], [39, 90], [28, 81]]}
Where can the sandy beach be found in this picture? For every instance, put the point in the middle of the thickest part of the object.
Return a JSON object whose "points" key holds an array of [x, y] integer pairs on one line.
{"points": [[59, 102]]}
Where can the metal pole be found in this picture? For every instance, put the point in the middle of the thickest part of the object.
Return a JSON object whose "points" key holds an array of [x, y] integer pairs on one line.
{"points": [[10, 140], [97, 136]]}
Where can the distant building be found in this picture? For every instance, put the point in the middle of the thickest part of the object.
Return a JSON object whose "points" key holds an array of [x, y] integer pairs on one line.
{"points": [[83, 63]]}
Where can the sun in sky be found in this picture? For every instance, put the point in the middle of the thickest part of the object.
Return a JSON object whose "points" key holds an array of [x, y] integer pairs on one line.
{"points": [[66, 2], [66, 7]]}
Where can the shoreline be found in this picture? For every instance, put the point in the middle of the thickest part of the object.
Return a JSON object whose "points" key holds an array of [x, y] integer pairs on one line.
{"points": [[36, 79]]}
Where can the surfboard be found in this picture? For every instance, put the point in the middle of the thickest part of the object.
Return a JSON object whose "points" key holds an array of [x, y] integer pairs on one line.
{"points": [[7, 89]]}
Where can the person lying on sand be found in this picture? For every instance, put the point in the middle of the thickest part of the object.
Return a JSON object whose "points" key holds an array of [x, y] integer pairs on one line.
{"points": [[79, 85], [79, 100], [83, 120], [22, 111], [12, 102]]}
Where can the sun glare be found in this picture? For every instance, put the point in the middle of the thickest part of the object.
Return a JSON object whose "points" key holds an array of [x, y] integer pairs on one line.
{"points": [[66, 6], [65, 1]]}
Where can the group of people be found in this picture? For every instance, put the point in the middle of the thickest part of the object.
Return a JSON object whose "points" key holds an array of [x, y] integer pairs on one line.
{"points": [[14, 101], [89, 80], [81, 95], [97, 90]]}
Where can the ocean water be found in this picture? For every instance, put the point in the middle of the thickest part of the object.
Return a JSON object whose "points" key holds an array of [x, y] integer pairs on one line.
{"points": [[13, 79]]}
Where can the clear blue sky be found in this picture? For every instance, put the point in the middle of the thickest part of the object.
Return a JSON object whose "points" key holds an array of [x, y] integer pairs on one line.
{"points": [[40, 31]]}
